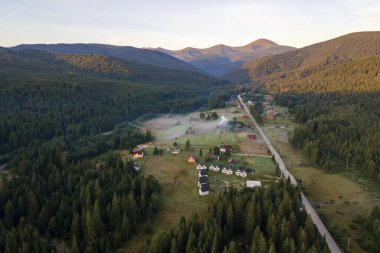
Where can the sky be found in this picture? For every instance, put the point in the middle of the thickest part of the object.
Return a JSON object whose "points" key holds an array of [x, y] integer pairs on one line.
{"points": [[175, 24]]}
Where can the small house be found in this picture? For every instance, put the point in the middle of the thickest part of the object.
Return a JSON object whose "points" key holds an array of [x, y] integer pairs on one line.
{"points": [[214, 157], [244, 117], [225, 148], [231, 161], [202, 180], [243, 174], [204, 189], [191, 159], [202, 173], [138, 153], [253, 183]]}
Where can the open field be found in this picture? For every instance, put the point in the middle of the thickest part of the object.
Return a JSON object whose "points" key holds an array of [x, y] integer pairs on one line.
{"points": [[172, 128], [342, 199]]}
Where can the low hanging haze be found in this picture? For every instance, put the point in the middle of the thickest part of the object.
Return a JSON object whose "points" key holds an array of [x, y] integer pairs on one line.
{"points": [[175, 24]]}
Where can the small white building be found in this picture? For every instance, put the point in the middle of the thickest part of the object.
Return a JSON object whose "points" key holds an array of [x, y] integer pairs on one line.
{"points": [[253, 183], [204, 190]]}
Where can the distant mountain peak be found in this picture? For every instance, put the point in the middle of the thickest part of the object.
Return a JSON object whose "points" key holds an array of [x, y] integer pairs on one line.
{"points": [[262, 42], [220, 59]]}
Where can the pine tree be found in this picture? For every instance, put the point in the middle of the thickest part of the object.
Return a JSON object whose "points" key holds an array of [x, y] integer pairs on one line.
{"points": [[74, 245], [233, 247], [75, 229], [272, 248], [230, 221], [9, 214], [250, 220], [191, 241], [187, 145], [98, 224], [174, 247]]}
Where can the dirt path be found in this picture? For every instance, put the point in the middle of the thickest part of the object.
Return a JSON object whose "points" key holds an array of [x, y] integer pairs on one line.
{"points": [[252, 155], [310, 210]]}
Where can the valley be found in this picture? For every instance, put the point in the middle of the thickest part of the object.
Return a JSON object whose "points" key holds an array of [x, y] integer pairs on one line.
{"points": [[259, 148]]}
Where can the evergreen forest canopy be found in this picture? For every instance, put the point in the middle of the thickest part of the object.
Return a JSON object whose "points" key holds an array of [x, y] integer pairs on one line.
{"points": [[43, 95], [261, 220], [92, 208], [333, 89], [53, 110]]}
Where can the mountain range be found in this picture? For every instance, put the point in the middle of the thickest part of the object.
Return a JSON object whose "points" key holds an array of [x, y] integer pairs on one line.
{"points": [[298, 65], [219, 60], [127, 53]]}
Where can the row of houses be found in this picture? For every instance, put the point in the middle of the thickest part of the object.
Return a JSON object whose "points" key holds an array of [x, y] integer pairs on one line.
{"points": [[202, 179], [202, 169]]}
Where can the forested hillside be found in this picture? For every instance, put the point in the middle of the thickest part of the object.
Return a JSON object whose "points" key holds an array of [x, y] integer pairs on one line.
{"points": [[43, 95], [92, 208], [259, 221], [53, 110], [339, 50], [333, 89], [127, 53]]}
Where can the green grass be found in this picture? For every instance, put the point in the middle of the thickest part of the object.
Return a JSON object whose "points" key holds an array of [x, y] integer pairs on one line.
{"points": [[209, 140]]}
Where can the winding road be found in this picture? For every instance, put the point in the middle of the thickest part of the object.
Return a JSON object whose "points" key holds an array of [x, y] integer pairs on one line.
{"points": [[309, 209]]}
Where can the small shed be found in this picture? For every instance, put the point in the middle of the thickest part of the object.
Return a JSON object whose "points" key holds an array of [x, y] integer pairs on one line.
{"points": [[253, 183], [138, 153], [202, 180], [191, 159]]}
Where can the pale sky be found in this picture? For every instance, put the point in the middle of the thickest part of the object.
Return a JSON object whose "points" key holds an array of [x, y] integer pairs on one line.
{"points": [[175, 24]]}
